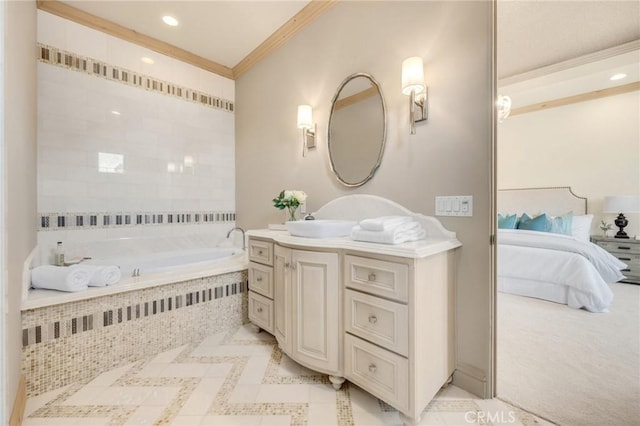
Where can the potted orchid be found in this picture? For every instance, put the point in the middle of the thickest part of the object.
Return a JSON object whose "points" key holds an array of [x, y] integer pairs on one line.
{"points": [[291, 200]]}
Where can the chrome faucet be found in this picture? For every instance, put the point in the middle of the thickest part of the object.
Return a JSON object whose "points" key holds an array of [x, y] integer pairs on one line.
{"points": [[237, 228]]}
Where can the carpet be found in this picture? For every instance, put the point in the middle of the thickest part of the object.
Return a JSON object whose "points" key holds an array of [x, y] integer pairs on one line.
{"points": [[571, 366]]}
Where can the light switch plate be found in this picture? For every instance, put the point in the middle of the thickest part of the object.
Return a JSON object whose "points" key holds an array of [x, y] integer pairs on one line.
{"points": [[454, 205]]}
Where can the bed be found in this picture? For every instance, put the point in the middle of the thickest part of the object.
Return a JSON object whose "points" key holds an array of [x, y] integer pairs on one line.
{"points": [[561, 266]]}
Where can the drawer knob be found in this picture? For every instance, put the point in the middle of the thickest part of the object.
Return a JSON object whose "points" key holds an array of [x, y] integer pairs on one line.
{"points": [[372, 277], [372, 368], [373, 319], [259, 279], [259, 309], [260, 252]]}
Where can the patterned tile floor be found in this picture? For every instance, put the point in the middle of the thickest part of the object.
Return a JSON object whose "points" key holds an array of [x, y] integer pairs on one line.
{"points": [[241, 378]]}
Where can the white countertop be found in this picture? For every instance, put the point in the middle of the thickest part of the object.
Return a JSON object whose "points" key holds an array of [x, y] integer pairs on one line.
{"points": [[413, 249]]}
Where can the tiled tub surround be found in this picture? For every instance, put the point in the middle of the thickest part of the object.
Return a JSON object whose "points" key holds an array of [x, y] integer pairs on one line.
{"points": [[72, 342], [173, 155], [122, 153]]}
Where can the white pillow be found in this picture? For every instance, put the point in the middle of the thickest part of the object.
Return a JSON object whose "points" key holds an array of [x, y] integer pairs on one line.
{"points": [[581, 227]]}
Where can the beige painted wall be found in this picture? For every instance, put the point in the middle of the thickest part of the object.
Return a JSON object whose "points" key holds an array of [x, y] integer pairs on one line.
{"points": [[449, 155], [19, 163], [592, 146]]}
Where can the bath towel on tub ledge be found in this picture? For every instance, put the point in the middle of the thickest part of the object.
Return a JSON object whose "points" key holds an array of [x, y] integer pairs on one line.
{"points": [[101, 275], [60, 278]]}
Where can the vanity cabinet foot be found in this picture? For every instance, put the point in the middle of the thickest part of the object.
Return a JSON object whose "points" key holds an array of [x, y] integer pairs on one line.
{"points": [[336, 382], [254, 328], [448, 382], [409, 421]]}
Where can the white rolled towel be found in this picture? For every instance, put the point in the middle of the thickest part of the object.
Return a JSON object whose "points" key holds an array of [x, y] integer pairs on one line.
{"points": [[410, 231], [101, 275], [60, 278], [384, 223]]}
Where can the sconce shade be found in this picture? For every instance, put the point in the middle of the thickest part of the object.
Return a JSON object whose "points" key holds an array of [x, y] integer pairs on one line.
{"points": [[412, 75], [622, 204], [305, 117]]}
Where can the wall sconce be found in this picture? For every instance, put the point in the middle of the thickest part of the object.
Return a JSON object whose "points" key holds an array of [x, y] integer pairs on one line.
{"points": [[413, 85], [305, 122], [504, 107]]}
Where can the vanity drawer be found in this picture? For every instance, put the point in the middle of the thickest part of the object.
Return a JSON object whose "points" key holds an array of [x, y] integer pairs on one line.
{"points": [[261, 311], [380, 372], [380, 321], [386, 279], [261, 252], [261, 279]]}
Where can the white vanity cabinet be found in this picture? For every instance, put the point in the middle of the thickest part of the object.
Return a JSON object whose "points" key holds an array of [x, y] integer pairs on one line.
{"points": [[382, 316], [261, 284], [306, 304], [399, 327]]}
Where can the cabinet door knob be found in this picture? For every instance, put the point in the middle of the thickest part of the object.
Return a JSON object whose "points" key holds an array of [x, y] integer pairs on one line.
{"points": [[287, 265], [372, 277], [373, 319], [260, 252], [259, 279], [259, 309], [372, 368]]}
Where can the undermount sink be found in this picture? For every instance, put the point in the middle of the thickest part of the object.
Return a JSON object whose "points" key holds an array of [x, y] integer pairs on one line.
{"points": [[320, 228]]}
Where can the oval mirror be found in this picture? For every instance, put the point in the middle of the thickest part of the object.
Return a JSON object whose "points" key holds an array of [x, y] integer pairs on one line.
{"points": [[357, 129]]}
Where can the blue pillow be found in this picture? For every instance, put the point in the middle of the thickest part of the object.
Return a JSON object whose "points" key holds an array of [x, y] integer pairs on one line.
{"points": [[507, 221], [539, 223], [562, 224]]}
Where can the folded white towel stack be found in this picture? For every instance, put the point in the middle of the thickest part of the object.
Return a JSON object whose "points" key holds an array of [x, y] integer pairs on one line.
{"points": [[101, 275], [60, 278], [391, 230], [384, 223]]}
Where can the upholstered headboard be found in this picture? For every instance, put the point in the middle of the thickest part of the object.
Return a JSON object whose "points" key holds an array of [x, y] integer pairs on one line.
{"points": [[553, 201]]}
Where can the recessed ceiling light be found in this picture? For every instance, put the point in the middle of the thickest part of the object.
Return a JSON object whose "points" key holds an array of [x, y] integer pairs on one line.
{"points": [[114, 112], [170, 20], [147, 60], [618, 76]]}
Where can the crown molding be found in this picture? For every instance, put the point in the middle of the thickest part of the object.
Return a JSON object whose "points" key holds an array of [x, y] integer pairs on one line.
{"points": [[571, 63]]}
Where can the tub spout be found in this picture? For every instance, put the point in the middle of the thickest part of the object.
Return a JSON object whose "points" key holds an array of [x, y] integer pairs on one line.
{"points": [[237, 228]]}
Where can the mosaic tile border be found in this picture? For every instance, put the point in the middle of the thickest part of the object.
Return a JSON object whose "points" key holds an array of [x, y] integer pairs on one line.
{"points": [[72, 61], [104, 318], [95, 220]]}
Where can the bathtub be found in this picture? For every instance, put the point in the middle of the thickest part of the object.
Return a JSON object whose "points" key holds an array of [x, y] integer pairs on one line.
{"points": [[151, 270], [167, 261]]}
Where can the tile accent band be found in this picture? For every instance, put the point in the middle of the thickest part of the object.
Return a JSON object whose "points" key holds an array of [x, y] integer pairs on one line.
{"points": [[73, 61], [117, 314], [83, 220]]}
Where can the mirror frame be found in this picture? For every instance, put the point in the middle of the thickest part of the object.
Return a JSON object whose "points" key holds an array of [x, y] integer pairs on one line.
{"points": [[384, 129]]}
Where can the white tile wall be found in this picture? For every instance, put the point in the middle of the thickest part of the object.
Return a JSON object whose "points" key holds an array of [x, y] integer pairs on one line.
{"points": [[75, 123]]}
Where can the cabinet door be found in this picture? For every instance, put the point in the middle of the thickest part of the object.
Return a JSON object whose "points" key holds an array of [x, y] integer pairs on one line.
{"points": [[316, 310], [282, 297]]}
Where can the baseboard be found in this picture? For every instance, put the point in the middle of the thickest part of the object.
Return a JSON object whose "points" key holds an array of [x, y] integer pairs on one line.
{"points": [[19, 403], [471, 379]]}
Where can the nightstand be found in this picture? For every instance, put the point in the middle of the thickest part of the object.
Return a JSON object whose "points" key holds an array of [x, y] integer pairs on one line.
{"points": [[627, 250]]}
